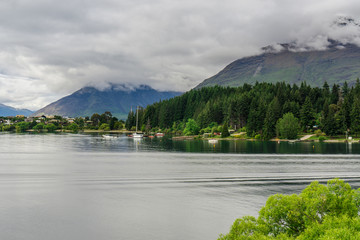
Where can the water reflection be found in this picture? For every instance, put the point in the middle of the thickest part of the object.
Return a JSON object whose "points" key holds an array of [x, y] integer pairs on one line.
{"points": [[122, 143], [82, 186], [239, 146]]}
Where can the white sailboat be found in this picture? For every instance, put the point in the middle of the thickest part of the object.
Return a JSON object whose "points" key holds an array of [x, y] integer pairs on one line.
{"points": [[136, 134]]}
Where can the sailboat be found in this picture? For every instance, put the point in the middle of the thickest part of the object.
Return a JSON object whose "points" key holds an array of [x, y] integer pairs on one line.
{"points": [[137, 135]]}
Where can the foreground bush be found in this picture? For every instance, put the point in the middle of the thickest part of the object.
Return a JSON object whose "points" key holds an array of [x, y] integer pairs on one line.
{"points": [[318, 212]]}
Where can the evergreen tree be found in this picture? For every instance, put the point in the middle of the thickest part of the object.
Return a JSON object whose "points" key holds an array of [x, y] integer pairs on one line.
{"points": [[272, 115], [307, 114], [244, 108], [345, 89], [357, 87], [334, 98], [130, 121], [113, 120], [225, 131], [292, 107], [355, 116], [256, 117], [330, 125], [326, 89], [346, 110]]}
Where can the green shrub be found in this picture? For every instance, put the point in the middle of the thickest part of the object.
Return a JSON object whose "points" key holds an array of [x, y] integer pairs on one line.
{"points": [[318, 212], [191, 128], [118, 126], [22, 126], [318, 133], [39, 126], [73, 127], [214, 129], [322, 138], [258, 136], [288, 126], [51, 127], [243, 129], [8, 128], [105, 127]]}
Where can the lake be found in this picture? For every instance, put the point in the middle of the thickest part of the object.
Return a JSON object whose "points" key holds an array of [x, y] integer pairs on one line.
{"points": [[81, 186]]}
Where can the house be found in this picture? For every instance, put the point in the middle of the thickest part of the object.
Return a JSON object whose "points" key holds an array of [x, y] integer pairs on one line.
{"points": [[54, 121], [29, 119], [70, 120]]}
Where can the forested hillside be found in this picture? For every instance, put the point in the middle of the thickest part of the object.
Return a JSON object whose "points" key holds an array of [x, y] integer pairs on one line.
{"points": [[257, 109]]}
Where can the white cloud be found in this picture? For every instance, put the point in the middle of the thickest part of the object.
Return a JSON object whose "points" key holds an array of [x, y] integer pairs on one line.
{"points": [[55, 48], [20, 92]]}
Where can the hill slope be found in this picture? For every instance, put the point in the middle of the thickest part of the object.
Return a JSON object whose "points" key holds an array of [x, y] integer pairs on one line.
{"points": [[10, 111], [118, 100], [337, 64]]}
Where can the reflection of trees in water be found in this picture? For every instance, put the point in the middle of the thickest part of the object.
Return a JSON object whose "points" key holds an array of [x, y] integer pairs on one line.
{"points": [[248, 147]]}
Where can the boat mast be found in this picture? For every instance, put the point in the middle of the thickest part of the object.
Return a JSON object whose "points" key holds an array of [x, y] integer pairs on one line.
{"points": [[137, 119]]}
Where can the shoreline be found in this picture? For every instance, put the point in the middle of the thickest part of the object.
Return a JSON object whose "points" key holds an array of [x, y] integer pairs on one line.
{"points": [[235, 137], [308, 139]]}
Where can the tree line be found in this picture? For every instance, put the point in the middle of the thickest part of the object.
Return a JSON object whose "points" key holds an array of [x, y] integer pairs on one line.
{"points": [[262, 109]]}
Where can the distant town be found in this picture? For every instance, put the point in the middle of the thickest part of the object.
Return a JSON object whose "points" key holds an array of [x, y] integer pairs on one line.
{"points": [[21, 123]]}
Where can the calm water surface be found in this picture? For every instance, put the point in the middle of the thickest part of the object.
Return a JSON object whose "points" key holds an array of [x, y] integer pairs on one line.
{"points": [[75, 186]]}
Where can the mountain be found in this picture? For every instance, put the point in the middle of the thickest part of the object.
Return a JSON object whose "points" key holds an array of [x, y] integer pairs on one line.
{"points": [[10, 111], [338, 63], [118, 100]]}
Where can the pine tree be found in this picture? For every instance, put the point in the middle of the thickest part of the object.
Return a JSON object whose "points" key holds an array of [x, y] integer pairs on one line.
{"points": [[326, 89], [345, 89], [345, 110], [225, 131], [357, 87], [307, 114], [272, 115], [355, 116], [334, 98], [329, 123], [130, 121]]}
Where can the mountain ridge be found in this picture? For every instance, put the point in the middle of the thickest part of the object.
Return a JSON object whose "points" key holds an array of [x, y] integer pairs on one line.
{"points": [[335, 65], [6, 111], [118, 99]]}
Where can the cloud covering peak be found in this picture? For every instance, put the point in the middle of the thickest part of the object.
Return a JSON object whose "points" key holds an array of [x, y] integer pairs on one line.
{"points": [[51, 49]]}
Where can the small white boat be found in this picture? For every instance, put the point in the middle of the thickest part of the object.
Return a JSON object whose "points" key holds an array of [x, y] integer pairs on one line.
{"points": [[213, 141], [137, 135], [108, 136]]}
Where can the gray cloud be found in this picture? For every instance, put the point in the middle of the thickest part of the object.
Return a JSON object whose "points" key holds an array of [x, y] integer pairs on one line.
{"points": [[49, 49]]}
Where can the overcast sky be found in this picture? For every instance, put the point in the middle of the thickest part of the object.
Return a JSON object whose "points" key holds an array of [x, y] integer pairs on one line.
{"points": [[49, 49]]}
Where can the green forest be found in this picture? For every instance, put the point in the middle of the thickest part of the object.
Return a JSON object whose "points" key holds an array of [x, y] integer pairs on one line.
{"points": [[318, 212], [262, 110]]}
